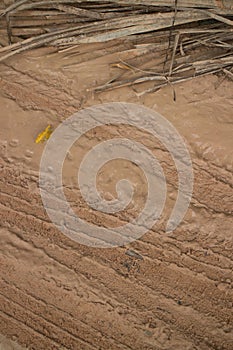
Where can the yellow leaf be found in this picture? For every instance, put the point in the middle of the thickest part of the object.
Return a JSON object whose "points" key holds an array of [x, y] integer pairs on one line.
{"points": [[44, 135]]}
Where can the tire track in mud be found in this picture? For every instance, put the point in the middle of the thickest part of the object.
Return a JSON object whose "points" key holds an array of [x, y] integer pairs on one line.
{"points": [[154, 251], [53, 314], [24, 201], [158, 282], [167, 310], [32, 94], [26, 191], [65, 333], [25, 206], [24, 334], [99, 309]]}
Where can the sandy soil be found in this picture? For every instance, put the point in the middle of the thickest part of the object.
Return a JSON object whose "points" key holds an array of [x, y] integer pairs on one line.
{"points": [[8, 344], [57, 294]]}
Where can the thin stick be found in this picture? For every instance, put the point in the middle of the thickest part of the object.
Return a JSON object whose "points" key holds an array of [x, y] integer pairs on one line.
{"points": [[179, 80], [82, 12], [218, 18], [173, 89], [170, 35], [8, 27], [13, 7], [177, 37], [139, 70], [111, 86], [228, 73]]}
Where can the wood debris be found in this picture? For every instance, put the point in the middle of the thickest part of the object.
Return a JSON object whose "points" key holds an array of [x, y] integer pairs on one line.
{"points": [[182, 39]]}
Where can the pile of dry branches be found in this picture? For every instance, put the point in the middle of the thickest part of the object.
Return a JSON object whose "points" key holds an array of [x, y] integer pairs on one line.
{"points": [[186, 38]]}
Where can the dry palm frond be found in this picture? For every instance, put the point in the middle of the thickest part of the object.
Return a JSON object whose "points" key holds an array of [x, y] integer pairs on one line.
{"points": [[186, 37]]}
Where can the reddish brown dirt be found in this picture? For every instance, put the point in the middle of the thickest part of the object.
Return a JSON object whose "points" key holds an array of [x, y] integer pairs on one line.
{"points": [[57, 294]]}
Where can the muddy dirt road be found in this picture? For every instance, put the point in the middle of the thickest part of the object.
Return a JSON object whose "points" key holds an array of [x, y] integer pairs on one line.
{"points": [[58, 294]]}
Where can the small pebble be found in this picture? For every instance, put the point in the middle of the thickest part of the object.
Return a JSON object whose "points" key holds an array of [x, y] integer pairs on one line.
{"points": [[50, 169], [148, 333], [152, 324], [227, 329], [29, 153], [134, 254], [172, 195], [27, 160], [69, 156], [14, 143]]}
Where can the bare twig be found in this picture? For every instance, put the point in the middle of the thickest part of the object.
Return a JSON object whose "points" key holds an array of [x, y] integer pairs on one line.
{"points": [[177, 37], [8, 26]]}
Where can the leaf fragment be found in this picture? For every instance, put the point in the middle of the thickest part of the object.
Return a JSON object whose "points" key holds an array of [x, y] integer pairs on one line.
{"points": [[44, 135]]}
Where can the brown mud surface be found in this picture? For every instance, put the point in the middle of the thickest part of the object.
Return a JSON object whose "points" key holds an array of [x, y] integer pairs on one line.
{"points": [[56, 294]]}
